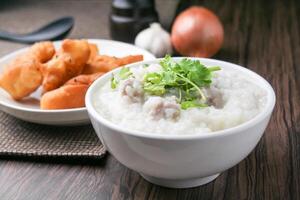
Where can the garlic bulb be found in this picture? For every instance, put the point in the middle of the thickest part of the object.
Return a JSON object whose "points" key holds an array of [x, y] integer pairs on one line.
{"points": [[155, 39]]}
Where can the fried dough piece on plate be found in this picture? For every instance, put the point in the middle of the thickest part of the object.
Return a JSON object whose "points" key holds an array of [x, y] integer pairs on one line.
{"points": [[129, 59], [85, 79], [66, 64], [103, 63], [70, 95], [22, 76], [94, 51], [42, 51]]}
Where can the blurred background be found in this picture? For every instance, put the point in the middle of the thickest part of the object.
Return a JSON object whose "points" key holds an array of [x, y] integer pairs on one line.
{"points": [[105, 19], [91, 16]]}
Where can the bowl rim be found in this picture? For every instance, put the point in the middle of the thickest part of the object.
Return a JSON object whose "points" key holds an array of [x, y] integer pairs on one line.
{"points": [[268, 109]]}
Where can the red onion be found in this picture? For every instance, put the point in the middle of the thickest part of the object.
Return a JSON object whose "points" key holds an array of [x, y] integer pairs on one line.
{"points": [[197, 32]]}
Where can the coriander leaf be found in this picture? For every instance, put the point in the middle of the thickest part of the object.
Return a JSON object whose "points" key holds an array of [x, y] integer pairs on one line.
{"points": [[113, 82], [187, 76], [154, 89], [167, 62], [125, 73], [186, 65], [153, 78], [215, 68], [192, 104], [169, 78]]}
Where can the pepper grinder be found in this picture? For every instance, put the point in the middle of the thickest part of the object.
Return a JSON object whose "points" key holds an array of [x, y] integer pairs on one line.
{"points": [[129, 17]]}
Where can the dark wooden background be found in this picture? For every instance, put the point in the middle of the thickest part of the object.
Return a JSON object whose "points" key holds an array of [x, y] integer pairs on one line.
{"points": [[261, 35]]}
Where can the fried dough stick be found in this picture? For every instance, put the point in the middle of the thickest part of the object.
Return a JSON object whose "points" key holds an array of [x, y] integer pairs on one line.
{"points": [[102, 63], [70, 95], [66, 64], [23, 76], [94, 52]]}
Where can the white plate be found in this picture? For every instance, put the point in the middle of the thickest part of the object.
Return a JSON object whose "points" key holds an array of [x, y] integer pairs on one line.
{"points": [[28, 109]]}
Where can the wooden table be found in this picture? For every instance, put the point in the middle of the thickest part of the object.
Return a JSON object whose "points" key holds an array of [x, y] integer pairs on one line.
{"points": [[261, 35]]}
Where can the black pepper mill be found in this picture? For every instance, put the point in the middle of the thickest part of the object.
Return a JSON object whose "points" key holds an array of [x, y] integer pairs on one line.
{"points": [[129, 17]]}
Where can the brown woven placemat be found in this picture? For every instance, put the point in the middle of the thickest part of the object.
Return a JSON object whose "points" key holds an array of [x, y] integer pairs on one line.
{"points": [[23, 139]]}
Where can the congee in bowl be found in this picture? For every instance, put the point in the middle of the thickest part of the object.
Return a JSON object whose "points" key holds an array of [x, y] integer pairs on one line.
{"points": [[179, 97], [180, 122]]}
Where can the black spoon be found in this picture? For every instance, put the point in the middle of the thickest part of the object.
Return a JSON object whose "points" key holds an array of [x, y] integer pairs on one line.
{"points": [[55, 30]]}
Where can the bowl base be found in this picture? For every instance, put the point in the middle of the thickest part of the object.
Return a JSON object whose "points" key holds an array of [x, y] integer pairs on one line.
{"points": [[181, 183]]}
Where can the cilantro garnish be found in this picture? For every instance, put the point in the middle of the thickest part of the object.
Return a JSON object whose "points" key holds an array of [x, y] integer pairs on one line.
{"points": [[187, 76], [123, 74], [192, 104], [113, 82]]}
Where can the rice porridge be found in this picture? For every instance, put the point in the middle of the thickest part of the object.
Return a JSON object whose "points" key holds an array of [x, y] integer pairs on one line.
{"points": [[183, 97]]}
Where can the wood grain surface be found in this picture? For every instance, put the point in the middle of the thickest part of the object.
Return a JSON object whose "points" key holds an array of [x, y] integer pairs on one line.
{"points": [[261, 35]]}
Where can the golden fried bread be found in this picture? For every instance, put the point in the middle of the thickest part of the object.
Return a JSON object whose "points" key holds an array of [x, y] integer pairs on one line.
{"points": [[21, 80], [23, 76], [65, 75], [42, 51], [94, 51], [66, 64], [103, 63], [70, 95], [85, 79]]}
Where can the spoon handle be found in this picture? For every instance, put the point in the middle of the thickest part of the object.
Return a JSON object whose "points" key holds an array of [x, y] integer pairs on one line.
{"points": [[54, 30], [7, 36], [15, 38]]}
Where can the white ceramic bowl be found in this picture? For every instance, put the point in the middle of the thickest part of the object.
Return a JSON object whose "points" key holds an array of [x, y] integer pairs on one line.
{"points": [[181, 161]]}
